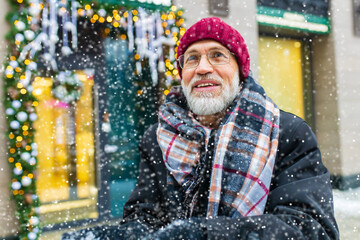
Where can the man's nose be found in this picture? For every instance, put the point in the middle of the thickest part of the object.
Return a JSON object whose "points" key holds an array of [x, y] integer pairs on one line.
{"points": [[204, 66]]}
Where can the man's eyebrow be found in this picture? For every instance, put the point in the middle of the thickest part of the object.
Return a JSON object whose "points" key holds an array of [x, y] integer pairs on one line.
{"points": [[191, 51], [211, 48]]}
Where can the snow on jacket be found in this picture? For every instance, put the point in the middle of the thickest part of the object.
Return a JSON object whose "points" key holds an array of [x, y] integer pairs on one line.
{"points": [[299, 206]]}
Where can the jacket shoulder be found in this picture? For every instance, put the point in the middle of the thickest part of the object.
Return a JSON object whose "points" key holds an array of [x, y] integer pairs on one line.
{"points": [[294, 128], [297, 142]]}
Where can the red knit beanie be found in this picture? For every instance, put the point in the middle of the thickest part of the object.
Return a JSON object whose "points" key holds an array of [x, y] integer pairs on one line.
{"points": [[215, 29]]}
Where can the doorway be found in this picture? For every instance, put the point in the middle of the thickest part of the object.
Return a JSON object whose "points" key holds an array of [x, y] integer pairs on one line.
{"points": [[282, 66]]}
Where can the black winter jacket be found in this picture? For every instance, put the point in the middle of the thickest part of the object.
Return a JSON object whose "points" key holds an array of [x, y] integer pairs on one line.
{"points": [[299, 205]]}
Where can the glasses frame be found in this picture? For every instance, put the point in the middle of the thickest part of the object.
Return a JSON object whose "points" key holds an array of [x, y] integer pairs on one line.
{"points": [[207, 57]]}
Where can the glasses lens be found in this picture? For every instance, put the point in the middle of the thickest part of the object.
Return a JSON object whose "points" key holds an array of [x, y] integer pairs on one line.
{"points": [[191, 60], [218, 57]]}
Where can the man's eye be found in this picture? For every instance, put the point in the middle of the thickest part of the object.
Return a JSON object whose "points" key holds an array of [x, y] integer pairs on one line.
{"points": [[192, 58], [217, 55]]}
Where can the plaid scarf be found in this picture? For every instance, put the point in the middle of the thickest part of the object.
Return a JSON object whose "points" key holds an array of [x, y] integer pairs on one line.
{"points": [[245, 146]]}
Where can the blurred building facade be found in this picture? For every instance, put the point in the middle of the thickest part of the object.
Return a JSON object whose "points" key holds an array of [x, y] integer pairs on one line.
{"points": [[305, 53]]}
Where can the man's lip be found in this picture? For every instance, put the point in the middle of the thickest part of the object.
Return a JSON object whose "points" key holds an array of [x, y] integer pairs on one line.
{"points": [[214, 82]]}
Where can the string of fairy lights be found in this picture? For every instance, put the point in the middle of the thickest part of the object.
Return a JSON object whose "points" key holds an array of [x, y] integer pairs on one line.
{"points": [[34, 34]]}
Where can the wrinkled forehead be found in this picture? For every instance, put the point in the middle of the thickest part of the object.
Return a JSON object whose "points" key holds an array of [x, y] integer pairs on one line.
{"points": [[204, 46]]}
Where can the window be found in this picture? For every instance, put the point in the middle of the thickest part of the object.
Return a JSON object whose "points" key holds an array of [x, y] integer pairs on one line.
{"points": [[281, 70], [65, 140]]}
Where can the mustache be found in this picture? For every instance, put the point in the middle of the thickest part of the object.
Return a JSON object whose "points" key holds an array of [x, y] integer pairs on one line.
{"points": [[209, 76]]}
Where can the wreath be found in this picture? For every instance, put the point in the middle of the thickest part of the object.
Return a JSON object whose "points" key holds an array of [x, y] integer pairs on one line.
{"points": [[67, 87]]}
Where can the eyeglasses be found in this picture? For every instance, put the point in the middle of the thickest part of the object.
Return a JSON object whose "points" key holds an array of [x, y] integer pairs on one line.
{"points": [[215, 57]]}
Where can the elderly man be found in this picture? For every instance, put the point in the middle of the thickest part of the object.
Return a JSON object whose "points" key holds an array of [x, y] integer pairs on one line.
{"points": [[224, 162]]}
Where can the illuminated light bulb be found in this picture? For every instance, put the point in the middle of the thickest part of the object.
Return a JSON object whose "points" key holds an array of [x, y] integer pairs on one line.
{"points": [[182, 31], [171, 16], [81, 12]]}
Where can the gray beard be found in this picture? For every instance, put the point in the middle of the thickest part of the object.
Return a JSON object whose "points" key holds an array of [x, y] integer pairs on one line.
{"points": [[206, 103]]}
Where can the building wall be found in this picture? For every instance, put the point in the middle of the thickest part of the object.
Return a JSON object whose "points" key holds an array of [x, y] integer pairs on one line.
{"points": [[325, 101], [347, 55], [336, 79], [8, 221]]}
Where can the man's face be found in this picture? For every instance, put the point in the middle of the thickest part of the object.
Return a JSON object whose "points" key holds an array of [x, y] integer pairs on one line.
{"points": [[208, 88]]}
